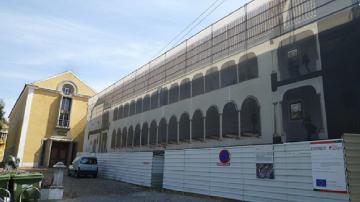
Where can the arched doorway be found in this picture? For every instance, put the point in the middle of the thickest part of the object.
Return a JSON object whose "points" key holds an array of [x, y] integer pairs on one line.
{"points": [[230, 120], [153, 133], [184, 127], [301, 111], [137, 136], [118, 138], [250, 117], [130, 139], [197, 125], [212, 123], [172, 131], [162, 131], [144, 134], [124, 137]]}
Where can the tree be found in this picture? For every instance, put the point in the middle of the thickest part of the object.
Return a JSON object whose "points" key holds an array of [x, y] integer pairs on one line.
{"points": [[2, 113]]}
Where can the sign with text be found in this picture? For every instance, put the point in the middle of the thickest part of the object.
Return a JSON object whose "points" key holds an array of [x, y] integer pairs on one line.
{"points": [[328, 167], [265, 162]]}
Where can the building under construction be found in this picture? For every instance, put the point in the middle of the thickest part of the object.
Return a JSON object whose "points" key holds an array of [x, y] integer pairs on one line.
{"points": [[272, 72]]}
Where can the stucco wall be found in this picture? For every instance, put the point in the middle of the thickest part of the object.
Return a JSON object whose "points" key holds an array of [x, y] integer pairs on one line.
{"points": [[15, 124], [43, 122], [53, 82], [43, 117]]}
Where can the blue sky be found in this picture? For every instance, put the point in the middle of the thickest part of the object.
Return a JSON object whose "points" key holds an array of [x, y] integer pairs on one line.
{"points": [[101, 41]]}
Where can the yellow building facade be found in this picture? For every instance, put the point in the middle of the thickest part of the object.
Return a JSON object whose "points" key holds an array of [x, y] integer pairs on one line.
{"points": [[47, 122]]}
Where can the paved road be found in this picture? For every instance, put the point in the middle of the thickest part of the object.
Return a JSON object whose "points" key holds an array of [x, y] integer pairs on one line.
{"points": [[91, 190]]}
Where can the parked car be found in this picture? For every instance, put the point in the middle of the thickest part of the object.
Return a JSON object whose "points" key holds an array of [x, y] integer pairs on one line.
{"points": [[83, 165]]}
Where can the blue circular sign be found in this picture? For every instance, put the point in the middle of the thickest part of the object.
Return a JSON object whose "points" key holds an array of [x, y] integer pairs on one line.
{"points": [[224, 156]]}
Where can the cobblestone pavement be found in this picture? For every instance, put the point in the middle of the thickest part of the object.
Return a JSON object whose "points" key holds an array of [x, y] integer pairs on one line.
{"points": [[99, 189], [91, 190]]}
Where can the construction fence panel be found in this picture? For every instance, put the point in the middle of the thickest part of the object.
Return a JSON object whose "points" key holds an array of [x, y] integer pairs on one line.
{"points": [[130, 167], [200, 171]]}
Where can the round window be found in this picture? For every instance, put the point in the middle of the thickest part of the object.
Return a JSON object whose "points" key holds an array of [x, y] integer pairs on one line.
{"points": [[68, 89]]}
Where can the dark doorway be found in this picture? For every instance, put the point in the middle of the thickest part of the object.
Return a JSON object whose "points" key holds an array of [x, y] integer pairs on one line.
{"points": [[301, 114], [59, 153]]}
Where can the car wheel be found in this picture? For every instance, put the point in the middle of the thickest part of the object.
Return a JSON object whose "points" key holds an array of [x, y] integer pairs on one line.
{"points": [[95, 175]]}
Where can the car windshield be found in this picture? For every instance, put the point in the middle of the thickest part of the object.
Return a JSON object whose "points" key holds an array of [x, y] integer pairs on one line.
{"points": [[88, 160]]}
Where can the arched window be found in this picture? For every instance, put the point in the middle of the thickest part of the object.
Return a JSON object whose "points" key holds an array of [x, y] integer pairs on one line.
{"points": [[184, 127], [212, 123], [172, 131], [126, 110], [120, 112], [124, 137], [132, 107], [211, 79], [197, 85], [146, 103], [139, 105], [185, 89], [154, 100], [153, 133], [113, 139], [228, 74], [115, 114], [68, 89], [118, 139], [137, 135], [144, 134], [164, 96], [197, 125], [130, 137], [162, 131], [250, 117], [174, 93], [230, 120], [248, 67]]}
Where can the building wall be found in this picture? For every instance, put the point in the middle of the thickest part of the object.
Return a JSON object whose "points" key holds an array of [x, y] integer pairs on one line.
{"points": [[43, 121], [270, 58], [53, 83], [43, 117], [78, 121], [15, 125]]}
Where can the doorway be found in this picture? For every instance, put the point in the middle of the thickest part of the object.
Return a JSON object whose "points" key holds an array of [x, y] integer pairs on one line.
{"points": [[302, 118], [59, 153]]}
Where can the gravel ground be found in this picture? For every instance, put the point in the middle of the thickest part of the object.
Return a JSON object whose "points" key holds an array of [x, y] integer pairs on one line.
{"points": [[99, 189]]}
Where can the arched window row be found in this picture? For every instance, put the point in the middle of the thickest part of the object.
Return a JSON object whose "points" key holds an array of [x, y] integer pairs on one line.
{"points": [[230, 122], [230, 73]]}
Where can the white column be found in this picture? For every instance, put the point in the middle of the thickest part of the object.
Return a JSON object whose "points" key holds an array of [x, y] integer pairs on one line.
{"points": [[190, 130], [220, 128], [140, 136], [239, 123], [280, 122], [178, 132], [167, 133], [148, 136], [157, 136], [25, 125], [204, 120]]}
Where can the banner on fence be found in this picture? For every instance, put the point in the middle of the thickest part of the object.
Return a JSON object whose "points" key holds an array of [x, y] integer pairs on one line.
{"points": [[328, 169]]}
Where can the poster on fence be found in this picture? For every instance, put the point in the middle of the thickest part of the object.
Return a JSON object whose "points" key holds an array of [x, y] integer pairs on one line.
{"points": [[328, 167], [265, 162]]}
